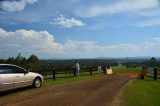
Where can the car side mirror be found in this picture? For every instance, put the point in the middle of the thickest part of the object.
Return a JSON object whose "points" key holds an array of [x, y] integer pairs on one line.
{"points": [[29, 70]]}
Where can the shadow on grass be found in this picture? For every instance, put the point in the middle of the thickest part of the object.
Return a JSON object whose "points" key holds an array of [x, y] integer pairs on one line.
{"points": [[10, 92]]}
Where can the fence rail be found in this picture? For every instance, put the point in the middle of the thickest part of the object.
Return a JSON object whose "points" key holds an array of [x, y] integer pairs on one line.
{"points": [[71, 71]]}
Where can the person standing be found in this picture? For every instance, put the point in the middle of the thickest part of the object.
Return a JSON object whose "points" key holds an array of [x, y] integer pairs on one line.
{"points": [[77, 68]]}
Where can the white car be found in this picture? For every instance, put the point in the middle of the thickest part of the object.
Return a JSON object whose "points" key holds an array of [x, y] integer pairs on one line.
{"points": [[12, 76]]}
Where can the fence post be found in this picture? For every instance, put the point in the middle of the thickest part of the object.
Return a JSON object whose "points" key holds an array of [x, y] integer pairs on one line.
{"points": [[104, 70], [142, 73], [155, 73], [90, 70], [74, 72], [54, 73]]}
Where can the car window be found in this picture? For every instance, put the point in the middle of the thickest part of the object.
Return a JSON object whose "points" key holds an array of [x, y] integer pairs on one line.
{"points": [[11, 69], [5, 70], [18, 70]]}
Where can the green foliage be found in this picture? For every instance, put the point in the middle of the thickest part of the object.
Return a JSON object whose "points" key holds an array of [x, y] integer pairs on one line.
{"points": [[140, 93], [33, 62], [2, 61], [10, 60], [153, 62], [20, 61], [82, 62]]}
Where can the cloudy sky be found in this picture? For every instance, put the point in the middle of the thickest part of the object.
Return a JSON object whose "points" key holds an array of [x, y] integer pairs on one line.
{"points": [[79, 28]]}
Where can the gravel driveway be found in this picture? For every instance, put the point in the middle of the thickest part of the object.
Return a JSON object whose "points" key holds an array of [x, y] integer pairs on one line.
{"points": [[92, 92]]}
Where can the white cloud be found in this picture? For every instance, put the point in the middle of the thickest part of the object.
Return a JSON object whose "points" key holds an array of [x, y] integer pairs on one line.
{"points": [[154, 12], [67, 23], [117, 7], [29, 42], [13, 6], [91, 49], [149, 22], [43, 43]]}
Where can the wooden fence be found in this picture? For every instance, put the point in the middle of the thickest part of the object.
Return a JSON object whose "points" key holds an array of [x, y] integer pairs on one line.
{"points": [[145, 71], [71, 71]]}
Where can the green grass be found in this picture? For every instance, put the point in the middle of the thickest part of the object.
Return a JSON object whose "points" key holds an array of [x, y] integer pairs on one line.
{"points": [[65, 79], [140, 93], [123, 69]]}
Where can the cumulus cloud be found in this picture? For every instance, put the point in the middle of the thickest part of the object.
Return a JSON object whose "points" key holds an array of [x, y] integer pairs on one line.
{"points": [[28, 41], [117, 7], [43, 43], [91, 49], [67, 23], [13, 6]]}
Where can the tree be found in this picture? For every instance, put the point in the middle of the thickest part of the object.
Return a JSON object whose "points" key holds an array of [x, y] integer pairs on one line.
{"points": [[33, 62], [18, 59], [153, 62], [10, 60], [2, 61]]}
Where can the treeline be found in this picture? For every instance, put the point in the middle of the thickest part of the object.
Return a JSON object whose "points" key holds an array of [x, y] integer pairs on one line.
{"points": [[32, 62], [152, 62], [83, 63], [37, 65]]}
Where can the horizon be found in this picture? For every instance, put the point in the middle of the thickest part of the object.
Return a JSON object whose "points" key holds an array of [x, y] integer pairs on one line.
{"points": [[74, 58], [80, 28]]}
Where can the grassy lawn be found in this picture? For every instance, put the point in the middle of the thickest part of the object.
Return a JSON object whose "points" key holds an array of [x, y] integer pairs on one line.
{"points": [[140, 93], [121, 69], [65, 79]]}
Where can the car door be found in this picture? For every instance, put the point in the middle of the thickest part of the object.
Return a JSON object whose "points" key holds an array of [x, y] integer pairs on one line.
{"points": [[22, 77], [6, 78]]}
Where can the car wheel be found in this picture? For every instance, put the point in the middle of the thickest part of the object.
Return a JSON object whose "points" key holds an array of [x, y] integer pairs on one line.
{"points": [[37, 83]]}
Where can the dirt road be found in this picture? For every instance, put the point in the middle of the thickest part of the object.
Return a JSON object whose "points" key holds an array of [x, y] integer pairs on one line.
{"points": [[92, 92]]}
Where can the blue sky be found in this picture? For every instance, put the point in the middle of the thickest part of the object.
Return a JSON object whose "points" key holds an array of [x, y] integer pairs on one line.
{"points": [[80, 28]]}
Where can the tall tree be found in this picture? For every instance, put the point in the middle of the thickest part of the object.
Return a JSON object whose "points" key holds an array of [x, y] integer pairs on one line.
{"points": [[10, 60], [18, 59], [153, 62], [33, 62]]}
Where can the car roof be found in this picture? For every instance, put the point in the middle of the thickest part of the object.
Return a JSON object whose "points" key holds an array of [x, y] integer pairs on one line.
{"points": [[12, 65], [7, 65]]}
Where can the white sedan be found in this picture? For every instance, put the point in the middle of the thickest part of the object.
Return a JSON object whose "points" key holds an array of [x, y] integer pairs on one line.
{"points": [[12, 76]]}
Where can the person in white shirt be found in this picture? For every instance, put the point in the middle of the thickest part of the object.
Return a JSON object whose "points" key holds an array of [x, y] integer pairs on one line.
{"points": [[77, 68]]}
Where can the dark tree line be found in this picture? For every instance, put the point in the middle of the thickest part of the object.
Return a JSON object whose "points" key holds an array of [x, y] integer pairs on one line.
{"points": [[152, 62], [32, 62], [35, 64], [83, 63]]}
